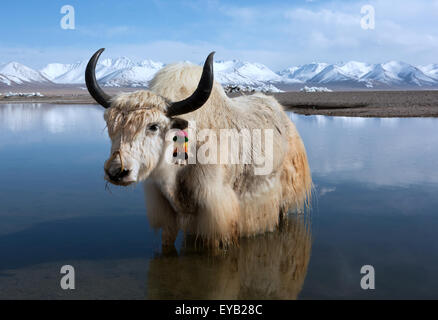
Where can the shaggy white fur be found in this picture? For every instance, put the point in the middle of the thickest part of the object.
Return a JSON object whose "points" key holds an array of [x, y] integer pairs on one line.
{"points": [[217, 202]]}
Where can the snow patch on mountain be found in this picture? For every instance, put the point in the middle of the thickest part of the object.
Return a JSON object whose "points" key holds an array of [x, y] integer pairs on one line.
{"points": [[430, 70], [5, 80], [355, 69], [245, 89], [23, 94], [315, 89], [54, 70], [135, 77]]}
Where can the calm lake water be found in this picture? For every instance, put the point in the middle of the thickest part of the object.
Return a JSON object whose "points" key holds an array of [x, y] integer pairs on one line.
{"points": [[375, 203]]}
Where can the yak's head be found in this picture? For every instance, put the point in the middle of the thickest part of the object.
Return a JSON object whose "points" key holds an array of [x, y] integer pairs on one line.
{"points": [[139, 121]]}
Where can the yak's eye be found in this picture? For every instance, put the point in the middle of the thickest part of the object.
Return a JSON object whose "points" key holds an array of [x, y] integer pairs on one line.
{"points": [[153, 127]]}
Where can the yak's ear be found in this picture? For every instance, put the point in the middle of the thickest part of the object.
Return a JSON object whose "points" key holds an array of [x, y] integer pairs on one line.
{"points": [[178, 123]]}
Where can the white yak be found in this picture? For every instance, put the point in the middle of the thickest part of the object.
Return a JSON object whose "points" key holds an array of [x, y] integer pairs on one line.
{"points": [[218, 202]]}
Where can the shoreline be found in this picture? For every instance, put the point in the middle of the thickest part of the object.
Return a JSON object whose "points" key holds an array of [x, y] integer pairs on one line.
{"points": [[376, 104], [380, 104]]}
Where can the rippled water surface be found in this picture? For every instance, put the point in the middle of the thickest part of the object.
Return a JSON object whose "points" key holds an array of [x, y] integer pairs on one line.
{"points": [[375, 203]]}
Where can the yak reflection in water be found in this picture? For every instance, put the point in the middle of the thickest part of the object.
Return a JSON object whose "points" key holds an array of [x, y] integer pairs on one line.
{"points": [[269, 266]]}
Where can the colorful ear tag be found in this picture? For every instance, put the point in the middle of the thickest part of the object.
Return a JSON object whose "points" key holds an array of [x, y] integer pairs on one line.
{"points": [[181, 137]]}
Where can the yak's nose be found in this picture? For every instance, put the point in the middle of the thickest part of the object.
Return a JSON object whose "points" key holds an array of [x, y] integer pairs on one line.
{"points": [[117, 174]]}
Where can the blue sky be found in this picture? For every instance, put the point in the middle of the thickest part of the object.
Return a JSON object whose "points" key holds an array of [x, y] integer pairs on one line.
{"points": [[276, 33]]}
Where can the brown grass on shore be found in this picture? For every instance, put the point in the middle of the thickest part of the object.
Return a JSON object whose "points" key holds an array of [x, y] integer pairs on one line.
{"points": [[345, 103], [363, 103]]}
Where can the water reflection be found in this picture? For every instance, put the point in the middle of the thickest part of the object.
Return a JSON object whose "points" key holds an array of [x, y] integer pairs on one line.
{"points": [[271, 266], [51, 159], [380, 151], [390, 152], [375, 203], [51, 118]]}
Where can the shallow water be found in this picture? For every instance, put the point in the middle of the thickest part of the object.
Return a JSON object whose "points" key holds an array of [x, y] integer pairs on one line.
{"points": [[376, 187]]}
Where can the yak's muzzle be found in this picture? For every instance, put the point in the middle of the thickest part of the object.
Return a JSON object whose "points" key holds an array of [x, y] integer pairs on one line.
{"points": [[117, 172]]}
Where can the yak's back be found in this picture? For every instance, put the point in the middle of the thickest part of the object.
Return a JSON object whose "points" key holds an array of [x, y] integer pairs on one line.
{"points": [[178, 81]]}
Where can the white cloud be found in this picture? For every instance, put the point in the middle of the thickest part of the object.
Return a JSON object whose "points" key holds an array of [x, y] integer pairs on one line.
{"points": [[323, 16], [331, 31]]}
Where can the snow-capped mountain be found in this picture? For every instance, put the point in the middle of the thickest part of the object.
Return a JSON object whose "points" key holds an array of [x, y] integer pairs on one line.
{"points": [[303, 73], [14, 72], [124, 72], [398, 73], [355, 69], [393, 73], [54, 70], [331, 73], [110, 72], [65, 73], [343, 72], [135, 75], [243, 73]]}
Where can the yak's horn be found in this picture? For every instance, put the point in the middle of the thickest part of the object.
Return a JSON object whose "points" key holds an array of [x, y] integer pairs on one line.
{"points": [[201, 94], [93, 87]]}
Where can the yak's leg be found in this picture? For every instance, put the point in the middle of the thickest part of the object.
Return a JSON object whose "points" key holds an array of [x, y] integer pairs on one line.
{"points": [[218, 216], [161, 215], [213, 203]]}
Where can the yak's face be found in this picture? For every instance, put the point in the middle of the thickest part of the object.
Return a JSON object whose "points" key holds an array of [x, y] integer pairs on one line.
{"points": [[137, 134], [134, 157], [137, 125], [139, 121]]}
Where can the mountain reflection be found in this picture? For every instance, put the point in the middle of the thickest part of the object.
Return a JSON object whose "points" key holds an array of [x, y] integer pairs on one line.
{"points": [[49, 117], [391, 152]]}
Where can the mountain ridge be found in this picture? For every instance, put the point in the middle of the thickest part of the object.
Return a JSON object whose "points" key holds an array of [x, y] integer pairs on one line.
{"points": [[124, 72]]}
